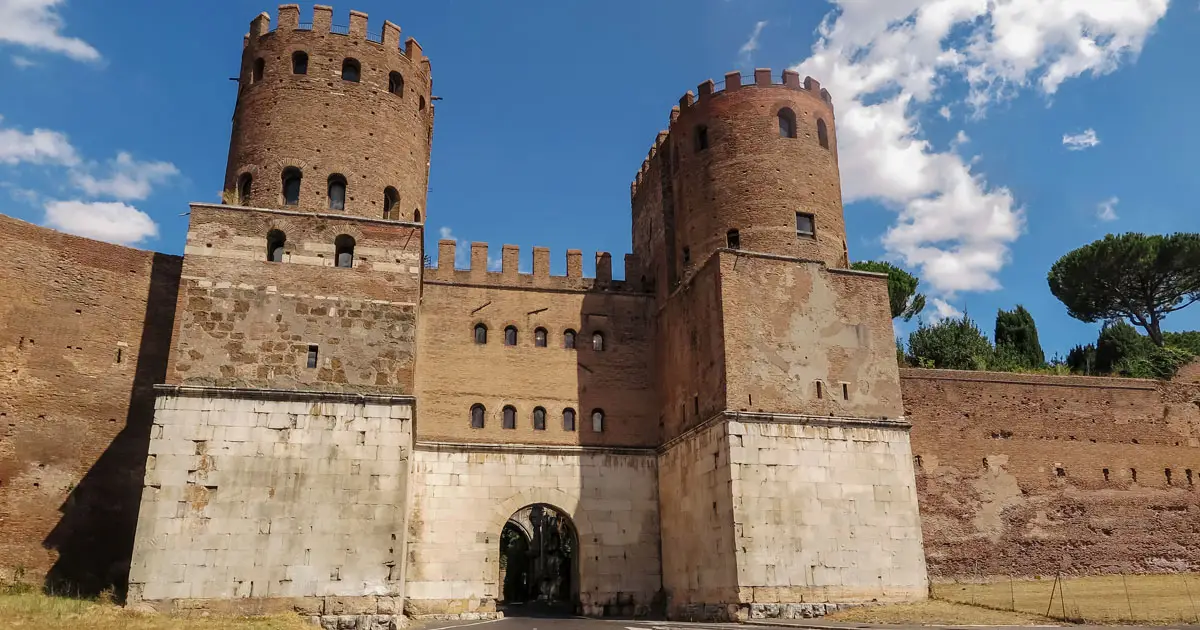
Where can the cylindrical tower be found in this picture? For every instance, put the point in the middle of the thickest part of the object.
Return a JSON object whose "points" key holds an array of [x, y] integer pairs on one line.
{"points": [[331, 119], [750, 167]]}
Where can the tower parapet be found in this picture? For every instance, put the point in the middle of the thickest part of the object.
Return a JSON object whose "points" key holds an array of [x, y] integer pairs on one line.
{"points": [[479, 272], [750, 165], [331, 118]]}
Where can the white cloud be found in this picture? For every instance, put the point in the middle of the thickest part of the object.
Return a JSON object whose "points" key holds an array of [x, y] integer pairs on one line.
{"points": [[127, 178], [41, 146], [22, 62], [944, 112], [36, 24], [114, 222], [942, 310], [1081, 141], [1107, 210], [883, 59], [746, 52]]}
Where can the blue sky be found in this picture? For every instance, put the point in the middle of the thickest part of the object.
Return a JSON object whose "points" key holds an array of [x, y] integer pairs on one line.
{"points": [[978, 141]]}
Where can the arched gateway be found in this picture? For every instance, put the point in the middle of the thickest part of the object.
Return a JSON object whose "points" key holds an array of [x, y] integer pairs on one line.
{"points": [[539, 559]]}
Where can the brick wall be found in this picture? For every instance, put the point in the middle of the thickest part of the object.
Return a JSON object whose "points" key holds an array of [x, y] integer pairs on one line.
{"points": [[1012, 473], [84, 334]]}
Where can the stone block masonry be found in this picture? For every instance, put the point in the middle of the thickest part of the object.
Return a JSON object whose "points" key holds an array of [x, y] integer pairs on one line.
{"points": [[266, 496]]}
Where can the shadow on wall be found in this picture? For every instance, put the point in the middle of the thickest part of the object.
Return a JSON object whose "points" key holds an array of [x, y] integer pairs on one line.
{"points": [[94, 537]]}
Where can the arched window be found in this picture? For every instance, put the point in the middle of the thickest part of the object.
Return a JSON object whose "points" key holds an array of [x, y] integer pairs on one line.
{"points": [[337, 192], [422, 106], [598, 341], [477, 416], [243, 189], [701, 137], [568, 419], [733, 240], [822, 133], [510, 417], [480, 334], [417, 216], [343, 247], [510, 336], [299, 62], [539, 337], [351, 71], [787, 123], [275, 242], [259, 67], [390, 199], [569, 339], [539, 419], [396, 84], [291, 186], [597, 420]]}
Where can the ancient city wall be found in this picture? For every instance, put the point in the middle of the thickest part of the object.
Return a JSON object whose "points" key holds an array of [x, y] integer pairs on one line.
{"points": [[824, 510], [84, 335], [464, 494], [456, 373], [1023, 474], [275, 500], [246, 322]]}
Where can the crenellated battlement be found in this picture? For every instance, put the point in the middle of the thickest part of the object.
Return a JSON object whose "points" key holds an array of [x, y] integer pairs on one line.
{"points": [[478, 272], [322, 25], [733, 82]]}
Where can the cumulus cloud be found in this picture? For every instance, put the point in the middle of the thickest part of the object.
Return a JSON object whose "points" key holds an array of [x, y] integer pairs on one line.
{"points": [[1107, 210], [746, 52], [41, 146], [884, 59], [36, 24], [942, 310], [127, 179], [113, 221], [1081, 141]]}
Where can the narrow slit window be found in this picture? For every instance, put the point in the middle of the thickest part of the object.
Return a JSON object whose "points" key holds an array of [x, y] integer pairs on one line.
{"points": [[1105, 472], [312, 357], [822, 133], [820, 391], [805, 224], [243, 188], [480, 334], [687, 256], [568, 419], [510, 336], [510, 417], [598, 421], [701, 138], [260, 67], [477, 416], [845, 391], [539, 338], [539, 419]]}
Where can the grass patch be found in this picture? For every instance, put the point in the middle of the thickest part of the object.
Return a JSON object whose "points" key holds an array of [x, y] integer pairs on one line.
{"points": [[32, 609], [1151, 599], [936, 611]]}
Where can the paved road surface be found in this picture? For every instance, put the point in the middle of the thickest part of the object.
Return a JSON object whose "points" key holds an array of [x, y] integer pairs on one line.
{"points": [[581, 623]]}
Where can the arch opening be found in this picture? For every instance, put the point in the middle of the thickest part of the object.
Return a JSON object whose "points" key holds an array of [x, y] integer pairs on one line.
{"points": [[539, 561]]}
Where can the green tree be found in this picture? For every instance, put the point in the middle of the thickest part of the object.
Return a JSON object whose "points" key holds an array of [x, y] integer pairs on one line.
{"points": [[1135, 276], [1118, 341], [953, 344], [1017, 336], [1082, 359], [902, 288], [1188, 341]]}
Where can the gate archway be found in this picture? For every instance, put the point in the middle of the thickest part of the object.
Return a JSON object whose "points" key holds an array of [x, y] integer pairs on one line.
{"points": [[539, 559]]}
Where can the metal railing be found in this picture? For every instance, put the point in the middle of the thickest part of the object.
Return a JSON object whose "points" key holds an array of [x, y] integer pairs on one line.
{"points": [[338, 29], [304, 26]]}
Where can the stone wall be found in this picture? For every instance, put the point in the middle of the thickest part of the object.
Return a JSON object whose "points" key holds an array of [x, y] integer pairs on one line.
{"points": [[1026, 474], [85, 329], [824, 510], [700, 574], [464, 494], [277, 500]]}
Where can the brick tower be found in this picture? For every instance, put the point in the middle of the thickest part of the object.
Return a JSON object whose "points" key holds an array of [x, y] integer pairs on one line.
{"points": [[279, 465], [779, 395]]}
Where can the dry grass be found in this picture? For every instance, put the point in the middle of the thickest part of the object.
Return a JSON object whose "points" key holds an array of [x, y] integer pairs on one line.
{"points": [[937, 612], [1152, 599], [36, 610]]}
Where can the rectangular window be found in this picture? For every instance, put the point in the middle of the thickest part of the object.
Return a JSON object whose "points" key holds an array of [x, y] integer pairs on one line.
{"points": [[805, 224], [312, 357], [687, 255], [845, 391]]}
